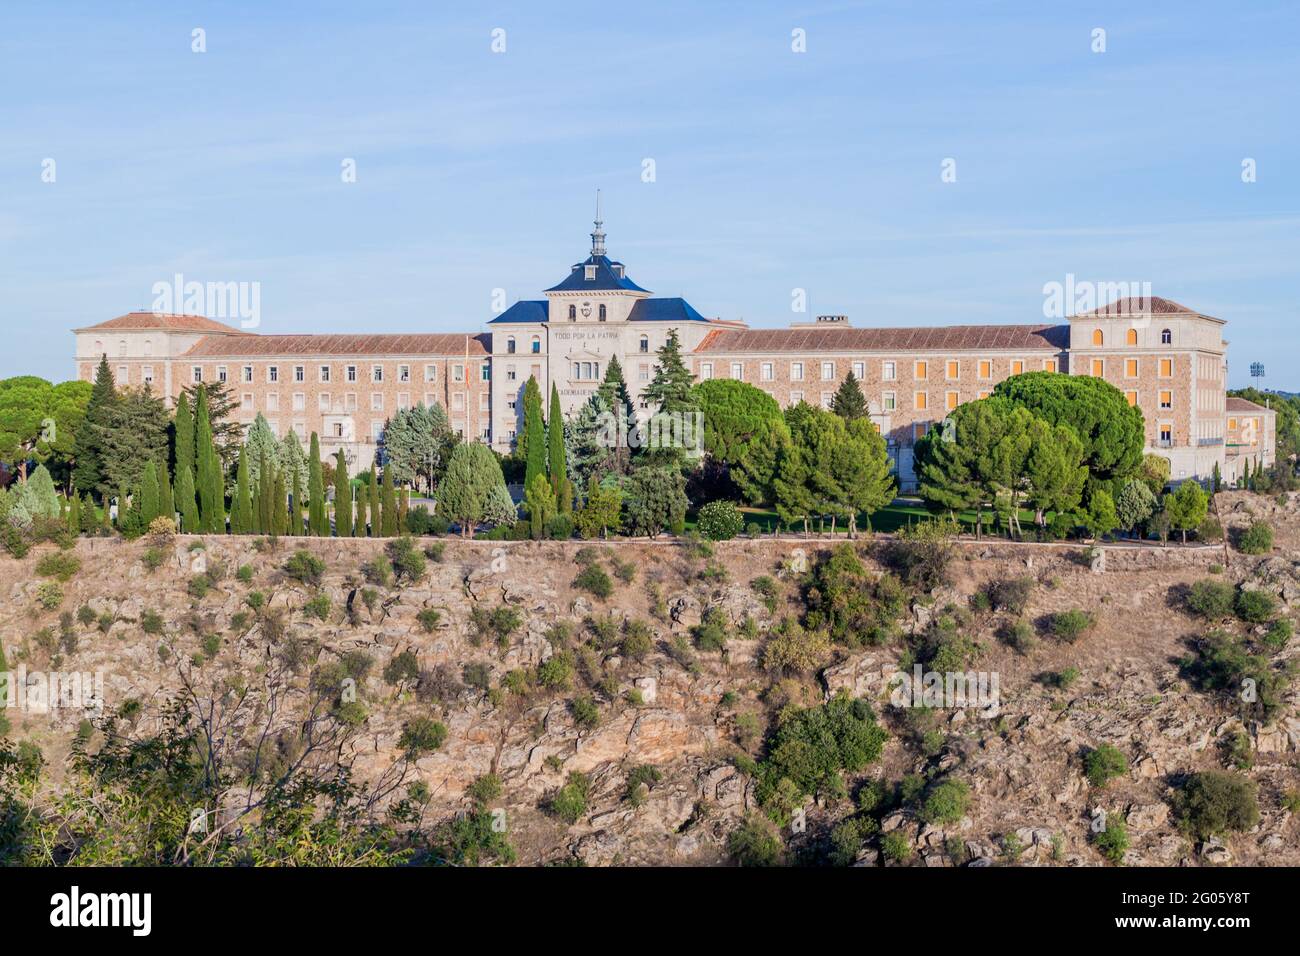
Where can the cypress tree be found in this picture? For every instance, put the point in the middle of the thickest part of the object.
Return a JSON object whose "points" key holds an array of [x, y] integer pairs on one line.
{"points": [[317, 522], [74, 514], [218, 494], [89, 521], [280, 518], [190, 523], [265, 496], [183, 435], [241, 508], [372, 489], [205, 465], [166, 495], [360, 525], [295, 498], [389, 503], [342, 497], [534, 439], [403, 506], [149, 493], [107, 515], [555, 447]]}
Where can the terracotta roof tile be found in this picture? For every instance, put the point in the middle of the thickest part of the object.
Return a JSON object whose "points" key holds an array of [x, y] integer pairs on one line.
{"points": [[1140, 305], [1244, 405], [164, 321], [448, 343], [938, 338]]}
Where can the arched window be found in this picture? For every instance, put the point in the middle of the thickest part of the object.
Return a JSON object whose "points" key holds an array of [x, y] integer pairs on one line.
{"points": [[537, 344], [148, 346], [645, 343], [602, 312], [510, 345], [1097, 337], [121, 346], [1166, 337], [99, 346], [573, 313], [1131, 336]]}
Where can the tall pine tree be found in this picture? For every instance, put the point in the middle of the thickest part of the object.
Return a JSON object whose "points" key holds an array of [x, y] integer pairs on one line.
{"points": [[183, 436], [185, 503], [849, 403], [88, 475], [372, 489], [241, 507], [555, 450], [205, 456], [149, 493], [166, 495], [533, 446]]}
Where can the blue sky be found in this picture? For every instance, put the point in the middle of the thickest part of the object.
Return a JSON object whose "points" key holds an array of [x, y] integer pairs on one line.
{"points": [[774, 170]]}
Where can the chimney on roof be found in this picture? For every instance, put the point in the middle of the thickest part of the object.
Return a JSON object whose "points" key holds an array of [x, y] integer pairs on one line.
{"points": [[824, 322]]}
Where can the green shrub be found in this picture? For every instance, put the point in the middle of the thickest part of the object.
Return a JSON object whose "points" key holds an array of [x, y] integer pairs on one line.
{"points": [[245, 574], [407, 560], [421, 736], [569, 802], [637, 642], [1011, 595], [945, 803], [305, 568], [639, 782], [711, 633], [854, 605], [402, 667], [435, 551], [556, 672], [585, 712], [499, 623], [1103, 764], [754, 844], [59, 565], [212, 645], [1279, 634], [1211, 599], [896, 847], [153, 559], [1071, 625], [595, 581], [1112, 842], [151, 622], [1256, 539], [378, 571], [428, 619], [1255, 607], [719, 521], [49, 595], [1214, 802], [767, 589], [85, 615], [318, 607]]}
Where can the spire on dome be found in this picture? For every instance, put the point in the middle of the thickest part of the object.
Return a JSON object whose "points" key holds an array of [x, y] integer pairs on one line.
{"points": [[598, 237]]}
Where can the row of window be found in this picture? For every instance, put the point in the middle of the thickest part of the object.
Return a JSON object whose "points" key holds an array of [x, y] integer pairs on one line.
{"points": [[325, 373], [1165, 397], [1132, 368], [535, 343], [339, 431], [1131, 337], [888, 369], [348, 401]]}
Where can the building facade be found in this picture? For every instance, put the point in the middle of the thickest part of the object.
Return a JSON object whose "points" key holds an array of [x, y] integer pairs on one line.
{"points": [[1168, 360]]}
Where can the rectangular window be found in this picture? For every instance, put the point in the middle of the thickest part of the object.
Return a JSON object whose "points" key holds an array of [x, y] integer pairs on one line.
{"points": [[827, 397], [324, 373], [485, 372], [828, 371], [1166, 434], [299, 373], [123, 374], [246, 402], [247, 373], [1131, 397], [273, 373], [765, 372], [196, 373], [984, 393], [919, 430], [273, 402], [1166, 399], [796, 398], [1166, 368], [350, 402], [351, 373], [376, 401], [1098, 368], [431, 373], [377, 431], [921, 401], [954, 369], [1130, 368], [1017, 367], [376, 373], [1232, 424], [985, 368], [299, 401], [403, 373], [404, 400], [323, 401], [888, 371], [458, 401], [796, 371], [458, 373], [221, 373], [148, 374], [300, 429], [921, 369], [859, 370], [706, 370], [511, 374], [953, 400], [429, 400], [737, 371], [888, 401], [643, 373], [1049, 365]]}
